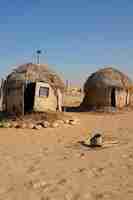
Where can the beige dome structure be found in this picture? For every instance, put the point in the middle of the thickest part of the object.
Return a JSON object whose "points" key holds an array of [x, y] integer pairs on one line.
{"points": [[107, 87], [37, 73], [33, 87]]}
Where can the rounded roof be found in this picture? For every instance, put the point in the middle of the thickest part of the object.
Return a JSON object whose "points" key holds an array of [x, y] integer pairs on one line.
{"points": [[107, 77], [36, 72]]}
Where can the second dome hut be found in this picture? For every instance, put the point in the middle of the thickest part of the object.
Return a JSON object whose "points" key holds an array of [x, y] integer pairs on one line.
{"points": [[108, 87]]}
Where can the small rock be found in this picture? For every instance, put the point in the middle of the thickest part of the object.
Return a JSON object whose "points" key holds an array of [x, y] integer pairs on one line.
{"points": [[14, 124], [6, 125], [72, 122], [30, 125], [54, 125], [80, 170], [82, 155], [38, 127], [45, 124], [22, 125], [60, 121], [66, 121]]}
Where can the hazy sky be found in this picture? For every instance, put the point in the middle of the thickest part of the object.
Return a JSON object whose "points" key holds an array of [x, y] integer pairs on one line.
{"points": [[78, 35]]}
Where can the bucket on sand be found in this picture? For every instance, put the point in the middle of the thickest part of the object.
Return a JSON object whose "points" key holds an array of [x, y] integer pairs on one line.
{"points": [[94, 139]]}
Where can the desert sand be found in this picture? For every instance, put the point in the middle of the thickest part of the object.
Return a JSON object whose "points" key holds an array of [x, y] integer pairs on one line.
{"points": [[50, 164]]}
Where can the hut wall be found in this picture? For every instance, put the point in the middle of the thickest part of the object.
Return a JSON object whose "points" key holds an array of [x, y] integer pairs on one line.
{"points": [[15, 97], [131, 98], [42, 102], [97, 97], [1, 94], [122, 98], [128, 97]]}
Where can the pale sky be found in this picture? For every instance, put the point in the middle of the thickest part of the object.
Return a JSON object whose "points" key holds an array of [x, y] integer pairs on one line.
{"points": [[76, 36]]}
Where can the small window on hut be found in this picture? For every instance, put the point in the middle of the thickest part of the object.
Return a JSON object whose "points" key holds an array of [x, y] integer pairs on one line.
{"points": [[43, 92]]}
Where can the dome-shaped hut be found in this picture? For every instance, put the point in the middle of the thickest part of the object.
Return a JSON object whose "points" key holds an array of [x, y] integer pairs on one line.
{"points": [[108, 87], [33, 87]]}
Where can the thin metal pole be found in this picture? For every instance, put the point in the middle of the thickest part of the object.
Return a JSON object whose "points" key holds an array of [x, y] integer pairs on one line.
{"points": [[38, 56], [38, 59]]}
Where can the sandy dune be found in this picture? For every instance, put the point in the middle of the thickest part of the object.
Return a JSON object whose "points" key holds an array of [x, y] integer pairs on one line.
{"points": [[50, 164]]}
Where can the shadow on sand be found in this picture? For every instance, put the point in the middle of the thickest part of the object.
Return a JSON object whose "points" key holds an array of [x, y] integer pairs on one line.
{"points": [[72, 109], [3, 116]]}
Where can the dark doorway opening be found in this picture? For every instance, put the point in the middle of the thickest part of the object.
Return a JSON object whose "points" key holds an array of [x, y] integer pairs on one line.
{"points": [[29, 94], [113, 99]]}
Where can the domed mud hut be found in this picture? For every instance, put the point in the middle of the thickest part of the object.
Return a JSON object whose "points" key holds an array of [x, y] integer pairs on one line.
{"points": [[33, 87], [107, 87]]}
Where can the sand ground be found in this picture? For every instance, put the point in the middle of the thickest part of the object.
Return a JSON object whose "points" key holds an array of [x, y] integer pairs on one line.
{"points": [[50, 164]]}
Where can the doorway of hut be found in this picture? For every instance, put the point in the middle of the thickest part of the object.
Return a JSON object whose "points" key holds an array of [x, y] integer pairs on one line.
{"points": [[113, 97], [29, 95]]}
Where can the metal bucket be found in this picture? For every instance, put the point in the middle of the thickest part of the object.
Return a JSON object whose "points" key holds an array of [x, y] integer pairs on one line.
{"points": [[96, 140]]}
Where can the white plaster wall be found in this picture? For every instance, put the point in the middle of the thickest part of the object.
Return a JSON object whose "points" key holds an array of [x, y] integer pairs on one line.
{"points": [[43, 104], [121, 98]]}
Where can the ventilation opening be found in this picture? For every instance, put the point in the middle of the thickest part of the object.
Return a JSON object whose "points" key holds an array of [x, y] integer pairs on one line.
{"points": [[29, 95], [113, 99], [44, 92]]}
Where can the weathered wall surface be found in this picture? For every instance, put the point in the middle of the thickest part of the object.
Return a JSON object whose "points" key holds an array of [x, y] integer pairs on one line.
{"points": [[102, 97], [15, 97], [131, 98], [128, 97], [42, 103], [1, 94], [122, 98], [97, 98]]}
